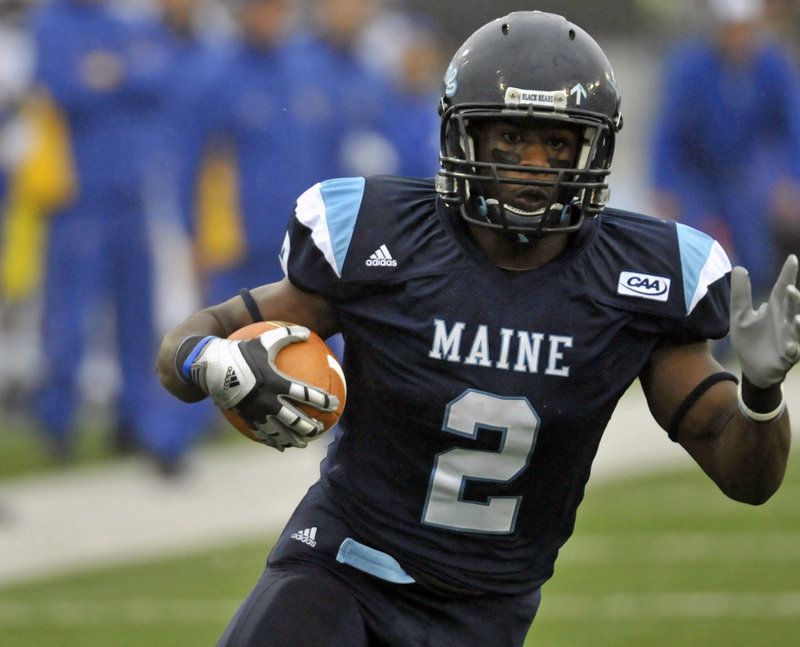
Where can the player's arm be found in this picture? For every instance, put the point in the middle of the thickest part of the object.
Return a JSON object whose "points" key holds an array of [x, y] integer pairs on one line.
{"points": [[740, 438], [195, 360], [276, 301], [745, 458]]}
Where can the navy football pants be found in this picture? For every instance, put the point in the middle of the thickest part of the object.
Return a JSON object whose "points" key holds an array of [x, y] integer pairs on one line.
{"points": [[304, 605], [305, 597]]}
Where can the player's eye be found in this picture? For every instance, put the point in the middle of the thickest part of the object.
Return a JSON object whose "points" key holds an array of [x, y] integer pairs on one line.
{"points": [[555, 143], [559, 142], [512, 136]]}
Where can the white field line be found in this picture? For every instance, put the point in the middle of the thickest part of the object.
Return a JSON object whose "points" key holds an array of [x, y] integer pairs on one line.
{"points": [[100, 613], [681, 605], [667, 548], [615, 606]]}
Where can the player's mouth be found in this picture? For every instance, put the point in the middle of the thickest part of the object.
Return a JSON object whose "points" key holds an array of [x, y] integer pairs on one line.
{"points": [[529, 202]]}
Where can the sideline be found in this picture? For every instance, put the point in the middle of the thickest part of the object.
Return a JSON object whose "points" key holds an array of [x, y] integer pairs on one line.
{"points": [[123, 512]]}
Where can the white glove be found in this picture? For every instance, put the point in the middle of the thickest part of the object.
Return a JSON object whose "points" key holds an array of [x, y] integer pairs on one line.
{"points": [[767, 340], [242, 376]]}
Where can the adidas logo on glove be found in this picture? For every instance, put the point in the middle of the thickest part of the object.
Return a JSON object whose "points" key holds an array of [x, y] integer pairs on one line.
{"points": [[230, 378]]}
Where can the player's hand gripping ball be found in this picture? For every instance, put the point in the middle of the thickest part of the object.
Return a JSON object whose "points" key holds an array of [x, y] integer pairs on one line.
{"points": [[310, 361]]}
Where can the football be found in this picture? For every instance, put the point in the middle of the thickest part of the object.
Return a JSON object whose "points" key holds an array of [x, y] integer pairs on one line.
{"points": [[311, 361]]}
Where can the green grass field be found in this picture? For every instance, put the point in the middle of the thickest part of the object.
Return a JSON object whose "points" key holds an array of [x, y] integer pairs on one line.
{"points": [[659, 560]]}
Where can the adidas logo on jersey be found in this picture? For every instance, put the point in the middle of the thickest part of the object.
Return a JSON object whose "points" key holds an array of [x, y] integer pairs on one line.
{"points": [[230, 378], [307, 536], [381, 258]]}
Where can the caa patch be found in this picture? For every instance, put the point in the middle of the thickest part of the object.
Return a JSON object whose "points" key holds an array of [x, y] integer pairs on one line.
{"points": [[644, 286]]}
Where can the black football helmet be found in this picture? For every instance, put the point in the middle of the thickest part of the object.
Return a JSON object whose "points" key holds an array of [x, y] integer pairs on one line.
{"points": [[528, 65]]}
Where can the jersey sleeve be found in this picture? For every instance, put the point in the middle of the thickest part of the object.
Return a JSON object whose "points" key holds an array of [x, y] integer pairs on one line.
{"points": [[705, 272], [319, 235], [674, 280]]}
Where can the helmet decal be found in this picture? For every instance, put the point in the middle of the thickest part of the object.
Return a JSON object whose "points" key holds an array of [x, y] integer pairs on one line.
{"points": [[579, 92], [450, 80], [540, 98]]}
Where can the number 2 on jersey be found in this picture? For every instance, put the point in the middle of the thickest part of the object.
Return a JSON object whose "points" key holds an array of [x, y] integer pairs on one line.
{"points": [[519, 424]]}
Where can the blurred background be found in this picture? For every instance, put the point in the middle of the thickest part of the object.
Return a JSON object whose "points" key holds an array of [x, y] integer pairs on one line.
{"points": [[150, 154], [151, 151]]}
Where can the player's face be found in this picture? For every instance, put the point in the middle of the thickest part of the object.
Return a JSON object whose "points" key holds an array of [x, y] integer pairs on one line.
{"points": [[518, 142]]}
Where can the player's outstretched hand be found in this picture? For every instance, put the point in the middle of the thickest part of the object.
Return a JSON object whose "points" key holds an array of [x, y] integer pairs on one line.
{"points": [[242, 376], [766, 340]]}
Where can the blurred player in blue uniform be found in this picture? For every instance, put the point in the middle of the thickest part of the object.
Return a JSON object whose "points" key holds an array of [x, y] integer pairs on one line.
{"points": [[106, 73], [196, 54], [344, 99], [255, 111], [726, 140], [492, 320], [193, 52], [408, 48]]}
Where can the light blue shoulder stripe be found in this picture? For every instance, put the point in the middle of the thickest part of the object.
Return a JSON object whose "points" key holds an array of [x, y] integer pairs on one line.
{"points": [[703, 261], [329, 209]]}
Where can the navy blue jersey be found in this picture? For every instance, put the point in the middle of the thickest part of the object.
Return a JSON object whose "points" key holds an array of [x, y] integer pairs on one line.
{"points": [[476, 396]]}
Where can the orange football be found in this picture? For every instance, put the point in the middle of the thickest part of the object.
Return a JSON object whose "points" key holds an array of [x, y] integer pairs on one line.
{"points": [[311, 361]]}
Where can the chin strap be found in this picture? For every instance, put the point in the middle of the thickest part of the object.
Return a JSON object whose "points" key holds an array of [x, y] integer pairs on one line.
{"points": [[497, 215], [566, 214], [483, 208]]}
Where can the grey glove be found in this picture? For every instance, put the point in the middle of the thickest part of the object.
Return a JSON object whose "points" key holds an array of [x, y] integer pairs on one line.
{"points": [[242, 376], [767, 340]]}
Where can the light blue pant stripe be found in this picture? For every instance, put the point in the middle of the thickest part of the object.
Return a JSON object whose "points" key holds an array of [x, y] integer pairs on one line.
{"points": [[372, 561]]}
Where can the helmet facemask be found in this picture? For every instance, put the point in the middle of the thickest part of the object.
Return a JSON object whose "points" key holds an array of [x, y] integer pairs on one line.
{"points": [[569, 192]]}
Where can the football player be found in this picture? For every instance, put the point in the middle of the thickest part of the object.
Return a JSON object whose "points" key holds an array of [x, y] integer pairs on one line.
{"points": [[492, 320]]}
